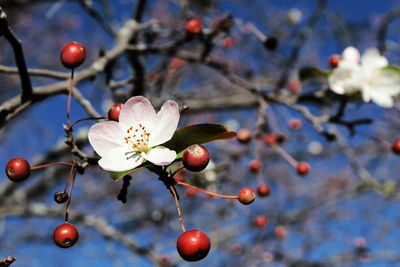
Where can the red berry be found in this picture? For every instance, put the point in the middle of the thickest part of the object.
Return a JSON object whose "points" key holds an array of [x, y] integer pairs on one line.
{"points": [[228, 42], [294, 86], [73, 55], [18, 169], [246, 196], [113, 112], [194, 26], [193, 245], [190, 192], [334, 61], [295, 124], [255, 166], [270, 139], [396, 146], [280, 231], [164, 261], [65, 235], [244, 136], [303, 168], [263, 190], [195, 158], [175, 62], [260, 221]]}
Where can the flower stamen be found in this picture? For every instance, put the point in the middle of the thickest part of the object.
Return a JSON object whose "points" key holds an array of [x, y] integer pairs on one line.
{"points": [[138, 138]]}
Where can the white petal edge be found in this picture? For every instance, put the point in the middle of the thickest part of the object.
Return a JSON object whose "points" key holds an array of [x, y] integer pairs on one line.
{"points": [[106, 136], [166, 123], [382, 100], [137, 109], [160, 156], [117, 161], [351, 54], [346, 78]]}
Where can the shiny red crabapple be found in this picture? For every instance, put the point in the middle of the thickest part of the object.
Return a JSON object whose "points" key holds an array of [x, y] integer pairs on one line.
{"points": [[396, 146], [263, 190], [65, 235], [246, 196], [195, 158], [255, 166], [194, 26], [244, 136], [334, 61], [193, 245], [73, 55], [261, 221], [302, 168], [18, 169], [113, 112]]}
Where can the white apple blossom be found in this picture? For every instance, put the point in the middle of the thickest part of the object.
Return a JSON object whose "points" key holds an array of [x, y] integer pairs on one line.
{"points": [[137, 136], [369, 77]]}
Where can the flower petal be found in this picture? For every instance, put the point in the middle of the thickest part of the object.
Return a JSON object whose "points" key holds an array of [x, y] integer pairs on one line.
{"points": [[106, 136], [372, 61], [382, 100], [351, 54], [166, 123], [116, 160], [160, 155], [137, 109], [347, 78]]}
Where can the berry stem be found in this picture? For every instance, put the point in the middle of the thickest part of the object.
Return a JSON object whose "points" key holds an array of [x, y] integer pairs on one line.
{"points": [[87, 119], [207, 192], [69, 177], [69, 196], [52, 164], [260, 176], [285, 155], [71, 83], [177, 207]]}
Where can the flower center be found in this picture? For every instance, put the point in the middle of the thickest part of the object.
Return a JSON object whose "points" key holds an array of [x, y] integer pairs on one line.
{"points": [[137, 138]]}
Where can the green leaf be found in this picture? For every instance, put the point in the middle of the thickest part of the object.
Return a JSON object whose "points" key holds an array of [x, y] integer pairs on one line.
{"points": [[312, 73], [393, 69], [200, 133], [118, 175]]}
